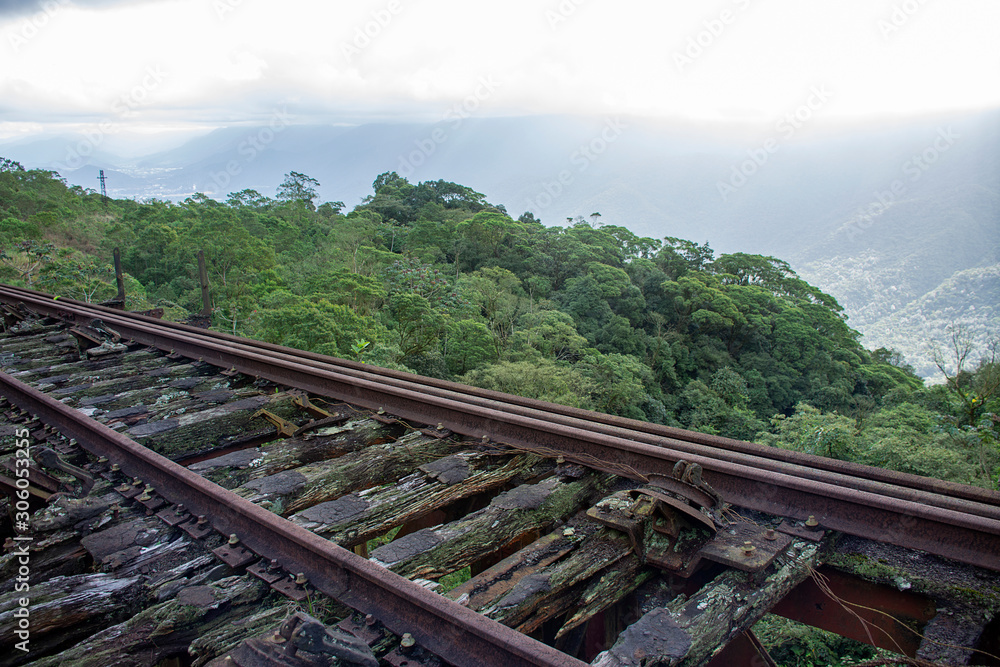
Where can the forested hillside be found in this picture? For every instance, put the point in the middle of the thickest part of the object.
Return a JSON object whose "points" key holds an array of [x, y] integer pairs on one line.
{"points": [[822, 202], [432, 278]]}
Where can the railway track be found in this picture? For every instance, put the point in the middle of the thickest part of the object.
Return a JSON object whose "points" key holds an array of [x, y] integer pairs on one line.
{"points": [[559, 514]]}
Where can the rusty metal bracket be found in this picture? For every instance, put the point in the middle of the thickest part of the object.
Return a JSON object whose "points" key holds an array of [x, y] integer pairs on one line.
{"points": [[285, 429], [10, 316], [288, 587], [198, 528], [383, 417], [155, 313], [97, 339], [173, 516], [813, 534], [667, 504], [234, 554], [106, 331], [687, 482], [620, 512], [130, 490], [439, 432], [86, 338], [669, 533], [267, 571], [410, 657], [50, 459], [302, 632], [370, 632], [65, 449], [37, 497], [745, 546], [36, 477], [151, 501], [302, 402]]}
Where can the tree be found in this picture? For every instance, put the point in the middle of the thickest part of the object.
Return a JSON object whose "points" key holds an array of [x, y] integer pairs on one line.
{"points": [[27, 258], [974, 388], [330, 209], [543, 379], [417, 324], [249, 198], [363, 294], [10, 165], [299, 188], [498, 294], [387, 178], [623, 385], [352, 233], [482, 236], [551, 333], [79, 278], [907, 438], [467, 345], [678, 256], [813, 432]]}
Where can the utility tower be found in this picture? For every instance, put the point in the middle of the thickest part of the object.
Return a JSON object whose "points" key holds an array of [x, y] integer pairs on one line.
{"points": [[104, 190]]}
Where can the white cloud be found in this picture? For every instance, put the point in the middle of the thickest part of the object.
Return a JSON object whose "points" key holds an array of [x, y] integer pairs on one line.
{"points": [[752, 60]]}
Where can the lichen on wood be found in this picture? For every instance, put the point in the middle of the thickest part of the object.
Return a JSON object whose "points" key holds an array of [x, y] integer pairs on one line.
{"points": [[554, 589], [690, 631], [201, 431], [165, 629], [238, 468], [64, 610], [378, 510], [433, 553], [362, 469]]}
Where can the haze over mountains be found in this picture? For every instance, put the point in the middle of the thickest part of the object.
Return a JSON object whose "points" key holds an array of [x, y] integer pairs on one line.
{"points": [[898, 221]]}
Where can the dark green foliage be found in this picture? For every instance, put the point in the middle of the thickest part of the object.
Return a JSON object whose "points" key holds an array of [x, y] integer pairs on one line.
{"points": [[792, 644], [432, 278]]}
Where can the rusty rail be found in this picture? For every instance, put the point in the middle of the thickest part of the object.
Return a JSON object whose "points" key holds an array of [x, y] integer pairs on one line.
{"points": [[729, 449], [446, 628], [950, 520]]}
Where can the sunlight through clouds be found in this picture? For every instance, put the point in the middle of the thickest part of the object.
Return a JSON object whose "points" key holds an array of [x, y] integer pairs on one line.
{"points": [[727, 61]]}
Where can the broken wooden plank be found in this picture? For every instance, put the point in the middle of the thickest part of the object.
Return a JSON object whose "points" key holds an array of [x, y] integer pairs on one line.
{"points": [[690, 631], [168, 628], [554, 590], [303, 487], [357, 517], [607, 590], [161, 401], [223, 638], [55, 549], [159, 388], [494, 582], [126, 372], [434, 552], [198, 432], [64, 610], [237, 468]]}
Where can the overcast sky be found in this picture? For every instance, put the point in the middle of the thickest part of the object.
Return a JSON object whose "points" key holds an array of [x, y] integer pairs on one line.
{"points": [[168, 64]]}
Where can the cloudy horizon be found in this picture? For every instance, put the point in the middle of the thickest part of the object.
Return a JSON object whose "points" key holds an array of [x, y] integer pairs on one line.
{"points": [[188, 66]]}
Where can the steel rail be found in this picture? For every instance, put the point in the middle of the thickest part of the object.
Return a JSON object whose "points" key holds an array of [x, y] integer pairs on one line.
{"points": [[809, 465], [970, 500], [959, 534], [973, 501], [456, 633]]}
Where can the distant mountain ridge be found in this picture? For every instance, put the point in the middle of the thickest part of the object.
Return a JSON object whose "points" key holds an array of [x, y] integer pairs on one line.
{"points": [[970, 299], [878, 216]]}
